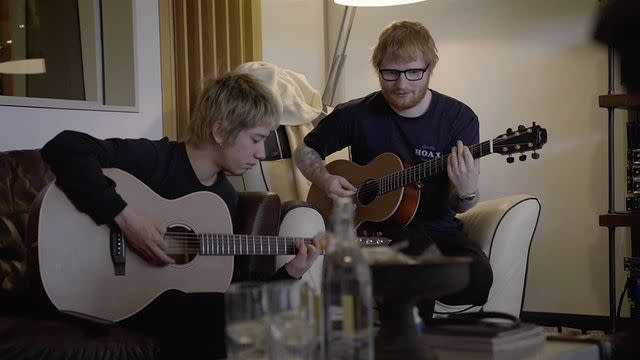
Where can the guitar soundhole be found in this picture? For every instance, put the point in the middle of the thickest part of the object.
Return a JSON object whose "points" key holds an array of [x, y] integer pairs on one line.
{"points": [[367, 192], [183, 243]]}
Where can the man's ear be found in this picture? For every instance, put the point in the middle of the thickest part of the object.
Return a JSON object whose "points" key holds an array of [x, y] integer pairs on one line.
{"points": [[218, 134]]}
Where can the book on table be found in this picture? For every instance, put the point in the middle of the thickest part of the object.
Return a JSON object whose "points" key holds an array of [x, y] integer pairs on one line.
{"points": [[484, 336]]}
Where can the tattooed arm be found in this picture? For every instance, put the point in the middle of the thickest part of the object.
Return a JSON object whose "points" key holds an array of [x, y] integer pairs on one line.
{"points": [[312, 167]]}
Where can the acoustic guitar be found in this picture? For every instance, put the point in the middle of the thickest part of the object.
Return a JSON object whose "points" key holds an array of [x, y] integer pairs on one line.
{"points": [[87, 270], [388, 190]]}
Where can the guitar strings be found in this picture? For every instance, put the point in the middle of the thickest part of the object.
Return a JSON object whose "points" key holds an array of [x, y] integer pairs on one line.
{"points": [[408, 173], [194, 243], [240, 242], [223, 243], [195, 250], [434, 164], [234, 237], [180, 240], [190, 236]]}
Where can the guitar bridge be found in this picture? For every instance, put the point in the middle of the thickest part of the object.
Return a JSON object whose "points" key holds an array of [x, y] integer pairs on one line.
{"points": [[118, 252]]}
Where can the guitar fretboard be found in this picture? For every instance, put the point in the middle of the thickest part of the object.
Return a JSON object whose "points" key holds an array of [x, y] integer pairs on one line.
{"points": [[426, 169], [234, 244], [231, 244]]}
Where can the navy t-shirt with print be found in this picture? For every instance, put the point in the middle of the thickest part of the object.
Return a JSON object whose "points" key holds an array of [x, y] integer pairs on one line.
{"points": [[371, 127]]}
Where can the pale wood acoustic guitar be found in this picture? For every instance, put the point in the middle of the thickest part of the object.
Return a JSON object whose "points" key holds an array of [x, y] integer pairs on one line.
{"points": [[88, 270]]}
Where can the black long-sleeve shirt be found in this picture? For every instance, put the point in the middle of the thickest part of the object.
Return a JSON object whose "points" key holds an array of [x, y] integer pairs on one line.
{"points": [[77, 160]]}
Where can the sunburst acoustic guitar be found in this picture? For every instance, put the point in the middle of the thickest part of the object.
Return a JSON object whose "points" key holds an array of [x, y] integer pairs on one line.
{"points": [[389, 191]]}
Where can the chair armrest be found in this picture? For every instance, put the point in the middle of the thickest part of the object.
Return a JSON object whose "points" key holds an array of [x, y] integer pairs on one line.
{"points": [[301, 219], [258, 213], [504, 229]]}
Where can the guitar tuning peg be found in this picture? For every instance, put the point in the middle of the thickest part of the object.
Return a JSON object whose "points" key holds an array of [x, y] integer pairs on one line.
{"points": [[521, 128], [535, 155], [522, 157], [509, 131], [510, 160]]}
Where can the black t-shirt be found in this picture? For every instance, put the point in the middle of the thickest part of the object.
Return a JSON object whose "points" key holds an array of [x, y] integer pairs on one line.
{"points": [[371, 127]]}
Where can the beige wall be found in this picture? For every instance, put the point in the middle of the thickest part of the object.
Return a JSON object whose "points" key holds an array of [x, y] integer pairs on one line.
{"points": [[293, 37], [514, 62]]}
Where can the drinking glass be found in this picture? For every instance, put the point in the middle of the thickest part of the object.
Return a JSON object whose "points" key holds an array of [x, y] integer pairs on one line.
{"points": [[245, 311], [292, 321]]}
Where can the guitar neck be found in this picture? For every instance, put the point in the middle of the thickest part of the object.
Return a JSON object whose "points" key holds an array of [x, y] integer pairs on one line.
{"points": [[426, 169], [234, 244]]}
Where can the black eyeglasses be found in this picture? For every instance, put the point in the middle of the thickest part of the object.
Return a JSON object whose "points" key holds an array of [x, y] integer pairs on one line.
{"points": [[410, 74]]}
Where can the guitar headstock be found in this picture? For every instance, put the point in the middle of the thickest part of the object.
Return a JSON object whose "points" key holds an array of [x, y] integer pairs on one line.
{"points": [[373, 241], [522, 140]]}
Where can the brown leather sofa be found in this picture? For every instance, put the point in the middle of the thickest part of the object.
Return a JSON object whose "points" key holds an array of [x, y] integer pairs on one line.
{"points": [[31, 330]]}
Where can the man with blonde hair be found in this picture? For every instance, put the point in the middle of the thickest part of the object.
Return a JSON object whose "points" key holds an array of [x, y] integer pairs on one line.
{"points": [[416, 123], [232, 117]]}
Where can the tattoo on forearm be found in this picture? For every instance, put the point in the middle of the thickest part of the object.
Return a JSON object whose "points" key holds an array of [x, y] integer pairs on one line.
{"points": [[309, 162]]}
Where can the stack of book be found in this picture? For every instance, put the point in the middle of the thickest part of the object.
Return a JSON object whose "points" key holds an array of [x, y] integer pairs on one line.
{"points": [[485, 337]]}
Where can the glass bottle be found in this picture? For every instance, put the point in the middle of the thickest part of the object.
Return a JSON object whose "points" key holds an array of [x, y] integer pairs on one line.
{"points": [[346, 291]]}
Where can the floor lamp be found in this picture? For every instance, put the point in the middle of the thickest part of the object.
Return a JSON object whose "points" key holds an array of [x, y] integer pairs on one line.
{"points": [[339, 54]]}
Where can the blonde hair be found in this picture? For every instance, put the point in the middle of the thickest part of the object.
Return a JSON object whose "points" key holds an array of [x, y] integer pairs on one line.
{"points": [[235, 102], [404, 41]]}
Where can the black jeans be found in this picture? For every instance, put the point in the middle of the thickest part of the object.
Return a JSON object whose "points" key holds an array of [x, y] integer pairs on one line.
{"points": [[450, 243], [185, 326]]}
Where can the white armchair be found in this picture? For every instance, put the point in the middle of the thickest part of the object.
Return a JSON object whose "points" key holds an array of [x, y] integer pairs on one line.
{"points": [[504, 228], [299, 219]]}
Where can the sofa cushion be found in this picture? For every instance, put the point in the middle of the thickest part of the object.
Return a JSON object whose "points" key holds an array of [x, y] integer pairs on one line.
{"points": [[22, 175]]}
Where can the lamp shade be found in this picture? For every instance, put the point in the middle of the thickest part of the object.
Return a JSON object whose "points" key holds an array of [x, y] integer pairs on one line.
{"points": [[374, 2]]}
